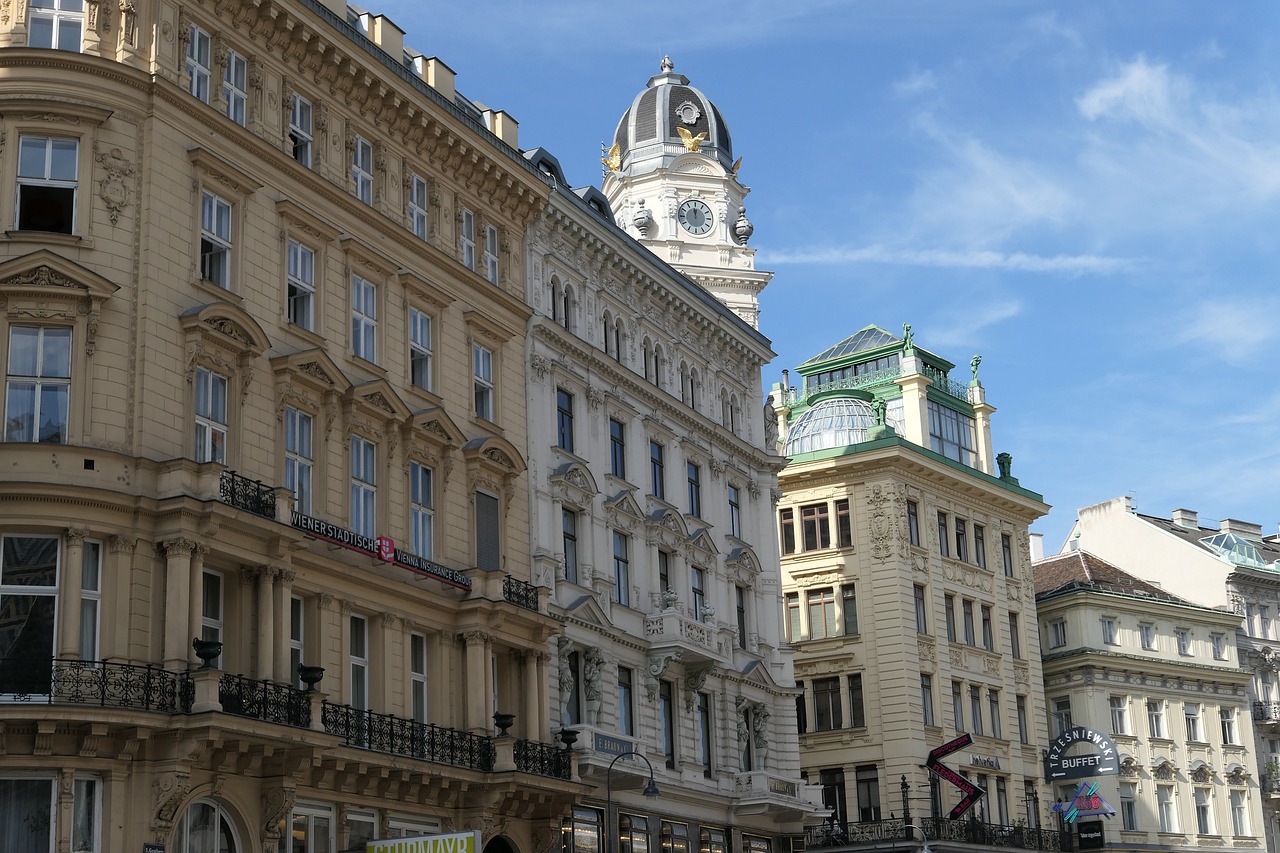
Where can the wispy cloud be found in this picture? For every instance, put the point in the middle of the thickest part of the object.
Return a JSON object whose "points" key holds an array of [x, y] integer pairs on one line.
{"points": [[916, 82], [968, 327], [947, 258], [1049, 25], [1227, 328], [1141, 91]]}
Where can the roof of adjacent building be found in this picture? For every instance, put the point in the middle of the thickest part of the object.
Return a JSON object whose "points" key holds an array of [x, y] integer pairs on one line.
{"points": [[866, 338], [1080, 570], [1247, 550]]}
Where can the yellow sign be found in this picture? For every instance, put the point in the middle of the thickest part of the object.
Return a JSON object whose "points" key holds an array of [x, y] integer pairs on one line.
{"points": [[455, 842]]}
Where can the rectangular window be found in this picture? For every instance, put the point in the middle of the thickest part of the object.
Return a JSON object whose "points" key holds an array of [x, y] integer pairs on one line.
{"points": [[1191, 714], [1219, 644], [802, 710], [482, 370], [48, 170], [957, 705], [617, 448], [1006, 554], [667, 720], [975, 709], [857, 706], [211, 610], [926, 699], [358, 661], [582, 831], [735, 511], [211, 416], [491, 254], [234, 87], [913, 523], [362, 169], [420, 351], [988, 636], [1264, 622], [621, 569], [467, 238], [1061, 715], [298, 457], [1119, 715], [962, 540], [951, 434], [1204, 811], [695, 490], [1147, 634], [792, 602], [569, 540], [827, 713], [822, 613], [38, 384], [1239, 814], [56, 24], [1024, 734], [1110, 632], [418, 677], [418, 206], [215, 240], [301, 130], [922, 622], [657, 470], [740, 595], [297, 639], [844, 525], [950, 615], [664, 571], [1166, 808], [868, 793], [970, 635], [198, 73], [1002, 801], [704, 731], [980, 545], [697, 586], [674, 837], [626, 705], [849, 608], [1155, 718], [943, 548], [564, 420], [364, 319], [364, 490], [421, 509], [787, 530], [815, 526], [1015, 638], [488, 530], [993, 701], [1129, 806], [1227, 721], [90, 598], [1183, 637], [302, 285], [1057, 633]]}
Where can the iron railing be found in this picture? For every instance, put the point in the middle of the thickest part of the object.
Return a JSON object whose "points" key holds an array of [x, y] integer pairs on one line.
{"points": [[264, 700], [1270, 783], [1266, 712], [520, 593], [249, 495], [861, 380], [400, 736], [947, 385], [834, 834], [57, 681], [542, 759]]}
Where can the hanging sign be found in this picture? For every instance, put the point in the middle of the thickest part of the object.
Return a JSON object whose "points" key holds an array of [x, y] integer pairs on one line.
{"points": [[1100, 760]]}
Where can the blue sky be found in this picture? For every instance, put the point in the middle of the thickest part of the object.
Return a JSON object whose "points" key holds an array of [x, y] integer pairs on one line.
{"points": [[1086, 193]]}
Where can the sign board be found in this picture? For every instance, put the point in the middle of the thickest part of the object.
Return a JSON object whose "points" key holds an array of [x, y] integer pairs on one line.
{"points": [[990, 762], [381, 547], [454, 842], [612, 745], [1089, 834], [150, 847], [1086, 803], [971, 792], [1100, 760]]}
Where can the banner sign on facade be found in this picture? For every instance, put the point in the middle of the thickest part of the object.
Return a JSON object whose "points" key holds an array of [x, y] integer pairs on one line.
{"points": [[454, 842], [382, 547], [1086, 803], [1102, 760]]}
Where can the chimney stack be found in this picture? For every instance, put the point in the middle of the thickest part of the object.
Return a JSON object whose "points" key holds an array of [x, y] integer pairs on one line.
{"points": [[1186, 518]]}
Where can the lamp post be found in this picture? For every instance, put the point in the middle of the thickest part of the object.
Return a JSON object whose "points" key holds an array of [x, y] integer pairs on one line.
{"points": [[924, 839], [650, 790]]}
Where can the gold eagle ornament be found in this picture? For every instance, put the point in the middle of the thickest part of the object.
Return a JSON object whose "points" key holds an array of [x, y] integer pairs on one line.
{"points": [[691, 142], [613, 162], [736, 166]]}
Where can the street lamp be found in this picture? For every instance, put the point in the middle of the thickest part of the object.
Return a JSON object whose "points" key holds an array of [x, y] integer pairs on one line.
{"points": [[924, 842], [650, 790]]}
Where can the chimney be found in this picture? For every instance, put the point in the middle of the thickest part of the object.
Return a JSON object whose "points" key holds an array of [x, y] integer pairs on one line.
{"points": [[1186, 518], [386, 35], [440, 77], [1037, 546], [1241, 528], [503, 126], [337, 7]]}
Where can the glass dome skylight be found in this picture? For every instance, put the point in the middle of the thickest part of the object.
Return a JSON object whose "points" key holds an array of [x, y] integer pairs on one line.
{"points": [[837, 422], [1236, 549]]}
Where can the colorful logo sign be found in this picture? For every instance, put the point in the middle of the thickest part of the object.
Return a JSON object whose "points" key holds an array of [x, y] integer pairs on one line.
{"points": [[1086, 803]]}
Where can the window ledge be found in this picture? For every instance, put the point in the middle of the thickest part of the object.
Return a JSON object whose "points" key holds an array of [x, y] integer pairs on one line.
{"points": [[56, 238], [221, 294], [306, 334], [366, 365], [425, 394]]}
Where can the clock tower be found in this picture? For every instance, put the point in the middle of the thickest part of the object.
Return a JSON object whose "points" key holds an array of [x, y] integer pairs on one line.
{"points": [[672, 182]]}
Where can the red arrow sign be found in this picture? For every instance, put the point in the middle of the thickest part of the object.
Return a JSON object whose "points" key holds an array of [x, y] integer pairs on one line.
{"points": [[972, 793]]}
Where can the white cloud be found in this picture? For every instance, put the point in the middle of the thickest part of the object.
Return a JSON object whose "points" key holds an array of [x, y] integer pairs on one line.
{"points": [[1049, 25], [915, 83], [948, 258], [1141, 92], [1226, 327], [966, 326]]}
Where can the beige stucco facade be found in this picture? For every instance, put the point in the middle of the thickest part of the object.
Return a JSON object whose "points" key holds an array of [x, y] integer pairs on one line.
{"points": [[263, 304]]}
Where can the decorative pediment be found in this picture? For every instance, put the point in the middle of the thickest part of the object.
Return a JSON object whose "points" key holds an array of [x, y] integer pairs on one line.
{"points": [[493, 463], [418, 287], [365, 261], [45, 285], [700, 541], [623, 510], [227, 325], [1128, 767], [1201, 772], [1237, 774], [587, 609], [312, 368], [434, 425], [668, 524], [380, 399], [757, 673], [742, 564], [1164, 769], [572, 481]]}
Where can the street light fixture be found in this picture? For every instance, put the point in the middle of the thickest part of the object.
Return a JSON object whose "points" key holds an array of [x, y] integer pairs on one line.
{"points": [[924, 839], [650, 790]]}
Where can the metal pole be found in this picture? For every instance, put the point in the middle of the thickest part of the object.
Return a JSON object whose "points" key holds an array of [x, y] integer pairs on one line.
{"points": [[650, 790]]}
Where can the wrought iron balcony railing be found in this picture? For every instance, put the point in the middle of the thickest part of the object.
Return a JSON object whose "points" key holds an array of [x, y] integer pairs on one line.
{"points": [[264, 700], [852, 834], [400, 736], [249, 495], [1266, 712], [542, 759], [520, 593], [1270, 783], [106, 684]]}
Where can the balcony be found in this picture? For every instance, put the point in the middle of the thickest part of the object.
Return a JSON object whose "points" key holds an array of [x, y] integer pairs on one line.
{"points": [[264, 700], [400, 736], [1266, 713], [520, 593], [697, 641], [761, 792], [249, 495], [1269, 783], [103, 684], [877, 832]]}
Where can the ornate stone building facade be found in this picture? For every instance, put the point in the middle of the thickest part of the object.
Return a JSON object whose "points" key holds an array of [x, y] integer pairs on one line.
{"points": [[263, 337], [1158, 675], [908, 598]]}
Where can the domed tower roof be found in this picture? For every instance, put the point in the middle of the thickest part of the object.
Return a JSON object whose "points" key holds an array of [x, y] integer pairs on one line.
{"points": [[648, 134]]}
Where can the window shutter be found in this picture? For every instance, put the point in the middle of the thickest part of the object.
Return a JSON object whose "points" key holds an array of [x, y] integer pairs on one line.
{"points": [[487, 545]]}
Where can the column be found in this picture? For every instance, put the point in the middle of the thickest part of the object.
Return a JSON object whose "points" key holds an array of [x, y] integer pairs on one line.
{"points": [[915, 402], [382, 653], [69, 630], [117, 615], [532, 708], [264, 576], [479, 677], [282, 597], [982, 426], [195, 601], [177, 595]]}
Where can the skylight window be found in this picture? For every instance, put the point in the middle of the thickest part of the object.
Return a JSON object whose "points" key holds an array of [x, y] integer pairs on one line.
{"points": [[1236, 550]]}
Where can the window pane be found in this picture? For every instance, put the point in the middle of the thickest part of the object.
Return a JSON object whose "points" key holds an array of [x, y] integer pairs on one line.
{"points": [[26, 816]]}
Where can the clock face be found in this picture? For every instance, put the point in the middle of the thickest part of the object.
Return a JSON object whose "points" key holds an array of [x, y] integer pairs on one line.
{"points": [[695, 217]]}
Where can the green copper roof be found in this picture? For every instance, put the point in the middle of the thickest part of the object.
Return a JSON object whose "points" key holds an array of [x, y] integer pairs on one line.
{"points": [[869, 338]]}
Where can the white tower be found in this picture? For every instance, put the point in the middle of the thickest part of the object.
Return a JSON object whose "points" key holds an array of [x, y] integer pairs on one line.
{"points": [[672, 182]]}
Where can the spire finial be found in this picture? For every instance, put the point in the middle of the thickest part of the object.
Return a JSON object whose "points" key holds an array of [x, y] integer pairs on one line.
{"points": [[667, 65]]}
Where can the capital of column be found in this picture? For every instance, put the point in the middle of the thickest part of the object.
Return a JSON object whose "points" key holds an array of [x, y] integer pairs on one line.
{"points": [[74, 535], [475, 638], [179, 546]]}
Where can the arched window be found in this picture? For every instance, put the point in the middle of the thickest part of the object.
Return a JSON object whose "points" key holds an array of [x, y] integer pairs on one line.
{"points": [[693, 387], [556, 300], [657, 365], [608, 334], [646, 352], [733, 413], [724, 407], [567, 308], [618, 338], [684, 382], [205, 828]]}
